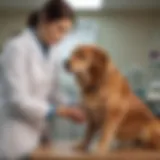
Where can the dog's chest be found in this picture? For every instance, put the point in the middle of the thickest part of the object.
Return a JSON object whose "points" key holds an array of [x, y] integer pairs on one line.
{"points": [[95, 107]]}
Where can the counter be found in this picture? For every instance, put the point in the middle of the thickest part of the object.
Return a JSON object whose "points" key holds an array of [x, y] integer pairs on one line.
{"points": [[64, 151]]}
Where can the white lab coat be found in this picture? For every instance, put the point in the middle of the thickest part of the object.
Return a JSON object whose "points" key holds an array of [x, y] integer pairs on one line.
{"points": [[27, 79]]}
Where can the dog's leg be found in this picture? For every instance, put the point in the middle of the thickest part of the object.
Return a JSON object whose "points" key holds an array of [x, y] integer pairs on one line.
{"points": [[109, 129], [90, 132], [151, 136], [46, 140]]}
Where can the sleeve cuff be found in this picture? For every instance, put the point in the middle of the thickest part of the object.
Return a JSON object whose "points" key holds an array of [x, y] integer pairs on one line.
{"points": [[51, 112]]}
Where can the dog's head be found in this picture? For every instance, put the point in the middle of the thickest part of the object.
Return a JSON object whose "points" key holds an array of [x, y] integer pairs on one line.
{"points": [[88, 63]]}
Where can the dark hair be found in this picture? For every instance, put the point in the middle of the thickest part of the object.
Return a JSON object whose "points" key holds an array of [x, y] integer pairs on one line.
{"points": [[53, 10]]}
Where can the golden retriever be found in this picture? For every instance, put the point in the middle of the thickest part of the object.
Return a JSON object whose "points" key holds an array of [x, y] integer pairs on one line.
{"points": [[110, 105]]}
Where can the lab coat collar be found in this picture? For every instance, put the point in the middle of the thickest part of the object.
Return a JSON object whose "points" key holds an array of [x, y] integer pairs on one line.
{"points": [[44, 47], [33, 41]]}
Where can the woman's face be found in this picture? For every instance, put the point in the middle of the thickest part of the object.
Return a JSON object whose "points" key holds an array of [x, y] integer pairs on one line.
{"points": [[53, 32]]}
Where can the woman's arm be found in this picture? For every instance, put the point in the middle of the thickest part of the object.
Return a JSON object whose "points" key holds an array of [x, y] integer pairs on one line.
{"points": [[58, 101], [14, 66]]}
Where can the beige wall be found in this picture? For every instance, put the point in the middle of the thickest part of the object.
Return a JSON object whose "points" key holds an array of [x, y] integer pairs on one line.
{"points": [[10, 23], [127, 36]]}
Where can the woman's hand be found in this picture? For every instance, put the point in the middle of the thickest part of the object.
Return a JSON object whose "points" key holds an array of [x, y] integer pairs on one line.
{"points": [[75, 114]]}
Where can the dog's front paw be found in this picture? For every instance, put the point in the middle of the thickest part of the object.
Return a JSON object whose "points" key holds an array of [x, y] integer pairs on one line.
{"points": [[101, 151], [80, 147]]}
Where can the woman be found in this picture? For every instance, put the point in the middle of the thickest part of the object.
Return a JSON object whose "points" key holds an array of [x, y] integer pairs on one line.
{"points": [[29, 77]]}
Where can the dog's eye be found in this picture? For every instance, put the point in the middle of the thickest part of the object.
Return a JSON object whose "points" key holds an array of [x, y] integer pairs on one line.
{"points": [[80, 56]]}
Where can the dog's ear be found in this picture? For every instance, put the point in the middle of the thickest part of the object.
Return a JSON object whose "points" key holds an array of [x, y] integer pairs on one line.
{"points": [[100, 60], [100, 57]]}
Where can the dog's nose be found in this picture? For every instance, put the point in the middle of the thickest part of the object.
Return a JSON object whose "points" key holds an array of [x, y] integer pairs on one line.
{"points": [[67, 65]]}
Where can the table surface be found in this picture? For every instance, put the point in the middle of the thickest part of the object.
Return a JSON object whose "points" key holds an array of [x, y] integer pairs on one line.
{"points": [[64, 151]]}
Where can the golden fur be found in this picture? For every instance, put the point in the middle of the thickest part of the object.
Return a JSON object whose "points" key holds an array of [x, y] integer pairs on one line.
{"points": [[110, 105]]}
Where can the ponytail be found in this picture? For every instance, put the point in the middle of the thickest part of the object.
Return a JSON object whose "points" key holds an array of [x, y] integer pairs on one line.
{"points": [[33, 19]]}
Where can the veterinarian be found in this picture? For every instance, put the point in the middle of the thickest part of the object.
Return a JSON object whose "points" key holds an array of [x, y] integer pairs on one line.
{"points": [[29, 76]]}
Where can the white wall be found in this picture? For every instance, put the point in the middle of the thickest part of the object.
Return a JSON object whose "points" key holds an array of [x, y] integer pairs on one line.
{"points": [[129, 38]]}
